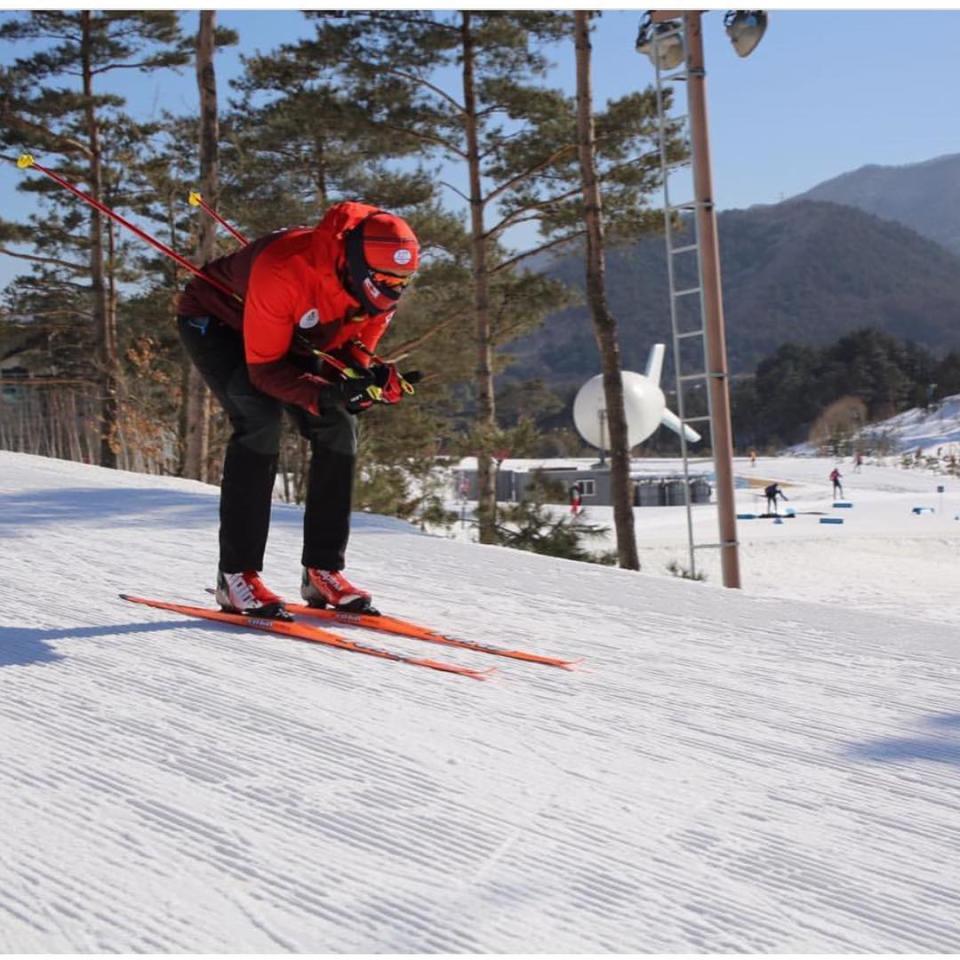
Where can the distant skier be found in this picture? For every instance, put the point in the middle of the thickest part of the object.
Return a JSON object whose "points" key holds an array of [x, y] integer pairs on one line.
{"points": [[753, 458], [835, 476], [576, 498], [772, 493], [333, 288], [858, 462]]}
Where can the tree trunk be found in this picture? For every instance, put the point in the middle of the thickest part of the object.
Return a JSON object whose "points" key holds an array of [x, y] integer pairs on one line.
{"points": [[604, 324], [103, 318], [197, 418], [320, 172], [486, 419]]}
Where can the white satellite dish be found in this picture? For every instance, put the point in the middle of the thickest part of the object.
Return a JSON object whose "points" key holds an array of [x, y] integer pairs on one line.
{"points": [[643, 401]]}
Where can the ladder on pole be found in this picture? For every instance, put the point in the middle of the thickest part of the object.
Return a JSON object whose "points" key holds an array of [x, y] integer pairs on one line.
{"points": [[668, 124]]}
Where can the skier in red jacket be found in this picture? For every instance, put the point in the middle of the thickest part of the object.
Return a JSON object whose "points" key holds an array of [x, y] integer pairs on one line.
{"points": [[332, 289], [835, 476]]}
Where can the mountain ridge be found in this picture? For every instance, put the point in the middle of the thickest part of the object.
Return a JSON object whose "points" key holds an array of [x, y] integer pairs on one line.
{"points": [[801, 270], [922, 195]]}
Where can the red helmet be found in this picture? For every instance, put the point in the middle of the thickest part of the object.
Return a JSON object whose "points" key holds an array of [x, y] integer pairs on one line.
{"points": [[382, 255]]}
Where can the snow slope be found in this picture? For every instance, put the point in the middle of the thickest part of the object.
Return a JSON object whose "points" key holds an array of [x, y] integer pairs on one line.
{"points": [[883, 557], [727, 772], [934, 431]]}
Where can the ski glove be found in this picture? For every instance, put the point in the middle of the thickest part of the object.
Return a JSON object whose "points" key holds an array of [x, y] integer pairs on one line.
{"points": [[380, 383], [391, 383], [355, 394]]}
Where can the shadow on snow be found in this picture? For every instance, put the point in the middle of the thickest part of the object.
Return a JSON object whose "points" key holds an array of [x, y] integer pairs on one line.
{"points": [[24, 645], [117, 505], [941, 744], [142, 506]]}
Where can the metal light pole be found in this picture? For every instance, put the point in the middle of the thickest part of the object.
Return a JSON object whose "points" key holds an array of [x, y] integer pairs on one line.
{"points": [[716, 343], [660, 41]]}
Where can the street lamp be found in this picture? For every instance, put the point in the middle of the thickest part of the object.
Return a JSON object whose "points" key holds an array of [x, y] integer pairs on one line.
{"points": [[652, 42], [745, 29]]}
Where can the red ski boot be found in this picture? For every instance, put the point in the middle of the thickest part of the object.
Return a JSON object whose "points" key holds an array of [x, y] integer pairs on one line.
{"points": [[320, 588]]}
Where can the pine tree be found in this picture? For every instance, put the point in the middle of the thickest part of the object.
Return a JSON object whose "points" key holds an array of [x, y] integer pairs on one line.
{"points": [[47, 111], [297, 141], [399, 64]]}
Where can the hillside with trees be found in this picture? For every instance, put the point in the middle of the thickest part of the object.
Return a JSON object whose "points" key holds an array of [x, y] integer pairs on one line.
{"points": [[822, 395], [798, 271]]}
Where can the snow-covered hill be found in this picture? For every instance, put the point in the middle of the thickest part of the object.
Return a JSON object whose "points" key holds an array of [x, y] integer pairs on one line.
{"points": [[726, 772], [936, 432]]}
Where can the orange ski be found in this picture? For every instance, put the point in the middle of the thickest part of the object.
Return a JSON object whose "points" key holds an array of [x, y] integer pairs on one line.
{"points": [[301, 631], [404, 628]]}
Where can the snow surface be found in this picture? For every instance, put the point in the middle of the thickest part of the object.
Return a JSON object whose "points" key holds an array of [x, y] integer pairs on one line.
{"points": [[884, 557], [728, 771]]}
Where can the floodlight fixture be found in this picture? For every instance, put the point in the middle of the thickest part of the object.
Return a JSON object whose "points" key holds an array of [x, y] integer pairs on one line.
{"points": [[661, 42], [745, 28]]}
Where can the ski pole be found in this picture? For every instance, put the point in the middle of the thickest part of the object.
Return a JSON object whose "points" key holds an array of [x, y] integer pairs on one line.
{"points": [[26, 160], [196, 200]]}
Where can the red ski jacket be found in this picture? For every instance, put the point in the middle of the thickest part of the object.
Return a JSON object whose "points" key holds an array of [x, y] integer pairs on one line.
{"points": [[292, 300]]}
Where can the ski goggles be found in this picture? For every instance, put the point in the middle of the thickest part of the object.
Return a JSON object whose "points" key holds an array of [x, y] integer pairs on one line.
{"points": [[389, 280], [377, 291]]}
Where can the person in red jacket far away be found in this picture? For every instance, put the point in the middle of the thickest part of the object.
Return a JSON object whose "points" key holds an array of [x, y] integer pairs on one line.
{"points": [[835, 476], [332, 289]]}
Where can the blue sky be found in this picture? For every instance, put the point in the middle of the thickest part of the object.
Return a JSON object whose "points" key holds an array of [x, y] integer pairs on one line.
{"points": [[824, 93]]}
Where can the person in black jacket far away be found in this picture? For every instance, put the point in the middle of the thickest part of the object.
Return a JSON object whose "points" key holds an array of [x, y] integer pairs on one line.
{"points": [[772, 492]]}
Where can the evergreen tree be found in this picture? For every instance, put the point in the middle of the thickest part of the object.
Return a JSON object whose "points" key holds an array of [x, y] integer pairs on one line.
{"points": [[530, 525], [400, 64], [947, 375], [52, 107], [297, 141], [797, 386]]}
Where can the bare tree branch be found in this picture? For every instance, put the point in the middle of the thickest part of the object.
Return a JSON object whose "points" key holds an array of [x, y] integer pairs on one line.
{"points": [[122, 66], [516, 216], [408, 346], [544, 246], [427, 137], [536, 168], [430, 86], [21, 123], [450, 186], [78, 268]]}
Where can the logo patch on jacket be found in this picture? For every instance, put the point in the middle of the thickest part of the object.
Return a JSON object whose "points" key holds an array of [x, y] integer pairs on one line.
{"points": [[310, 319]]}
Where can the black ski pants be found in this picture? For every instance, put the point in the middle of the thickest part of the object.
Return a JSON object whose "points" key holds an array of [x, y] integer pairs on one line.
{"points": [[250, 463]]}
